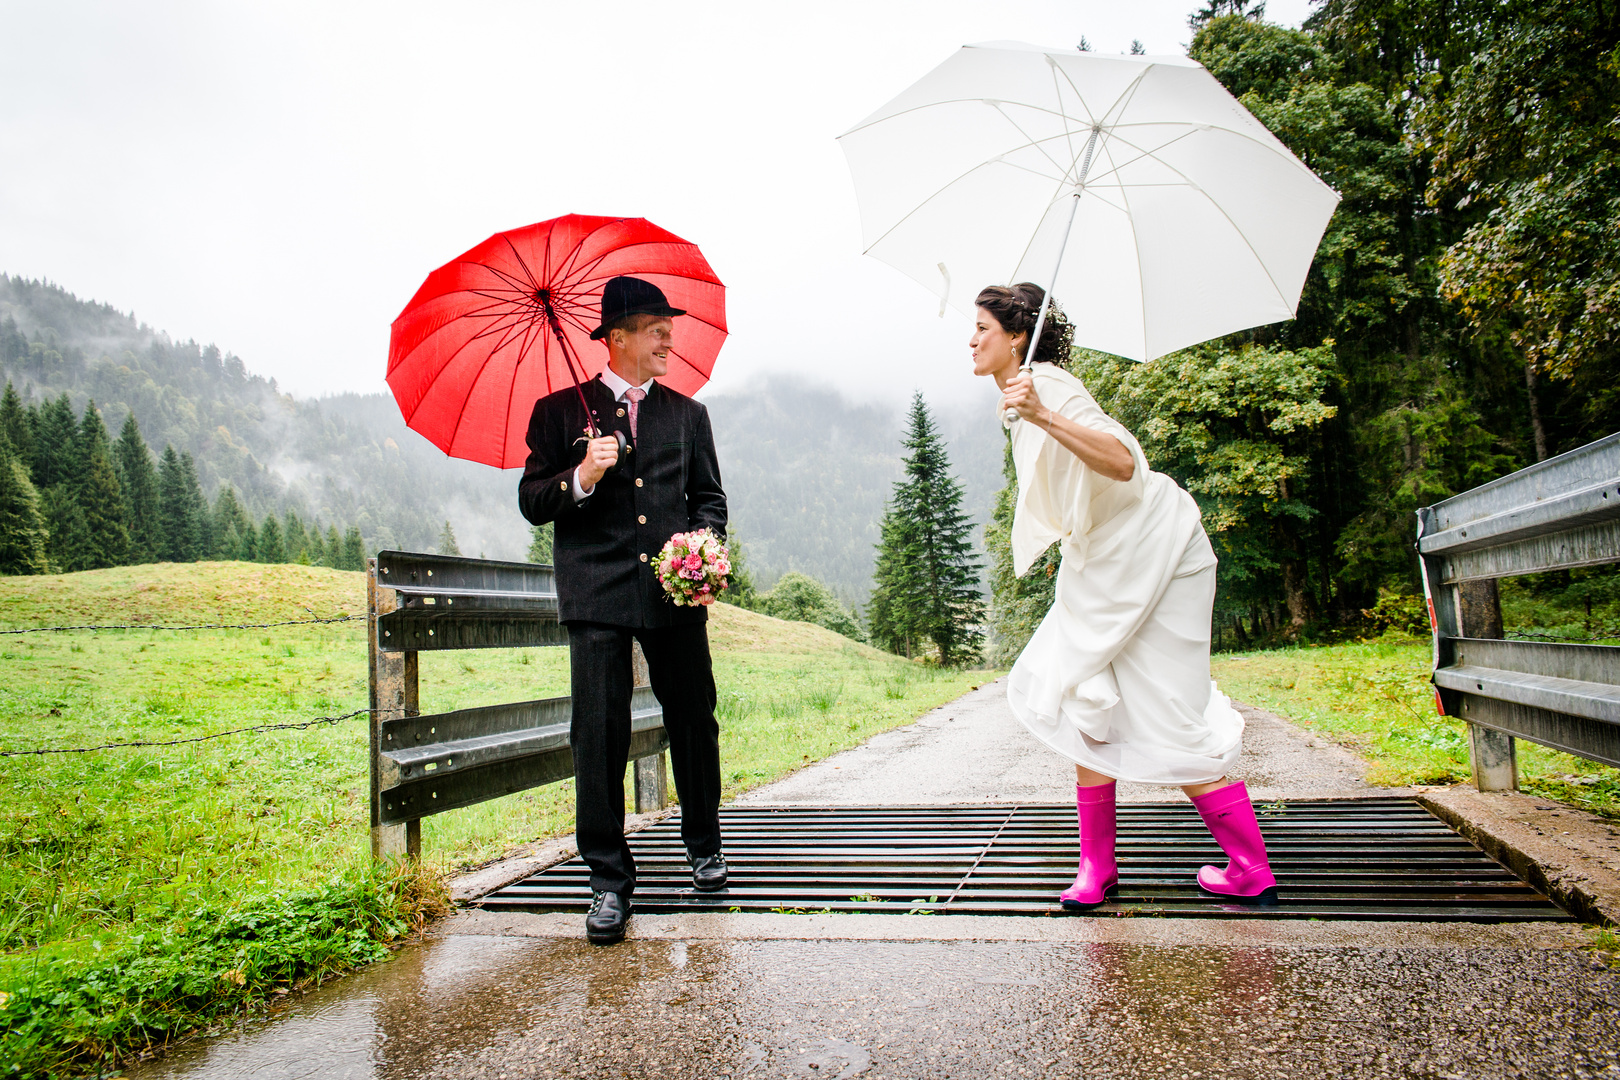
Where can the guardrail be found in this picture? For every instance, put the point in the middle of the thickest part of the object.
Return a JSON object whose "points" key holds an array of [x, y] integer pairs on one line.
{"points": [[1556, 515], [423, 765]]}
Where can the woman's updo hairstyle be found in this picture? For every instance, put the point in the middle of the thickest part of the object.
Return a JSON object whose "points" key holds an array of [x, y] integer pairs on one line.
{"points": [[1017, 308]]}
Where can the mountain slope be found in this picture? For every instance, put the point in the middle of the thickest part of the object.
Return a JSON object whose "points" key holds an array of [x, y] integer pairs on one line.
{"points": [[807, 471]]}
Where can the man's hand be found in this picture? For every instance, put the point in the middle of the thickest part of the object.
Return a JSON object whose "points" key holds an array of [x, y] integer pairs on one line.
{"points": [[1019, 395], [600, 456]]}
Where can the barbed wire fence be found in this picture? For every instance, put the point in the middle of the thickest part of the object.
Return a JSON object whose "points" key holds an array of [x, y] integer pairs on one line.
{"points": [[299, 725], [315, 621], [294, 725]]}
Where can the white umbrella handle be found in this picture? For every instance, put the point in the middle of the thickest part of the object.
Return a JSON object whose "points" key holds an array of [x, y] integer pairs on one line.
{"points": [[1051, 282]]}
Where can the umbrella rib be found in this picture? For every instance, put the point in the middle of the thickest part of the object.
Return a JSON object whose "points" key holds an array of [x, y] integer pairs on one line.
{"points": [[458, 350], [1142, 153], [517, 284], [511, 397], [565, 268], [1141, 285], [1057, 89], [953, 181], [1063, 171], [1222, 211], [948, 101], [1275, 150], [532, 282]]}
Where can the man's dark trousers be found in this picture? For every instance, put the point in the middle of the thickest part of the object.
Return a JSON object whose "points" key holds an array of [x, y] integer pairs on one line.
{"points": [[682, 679]]}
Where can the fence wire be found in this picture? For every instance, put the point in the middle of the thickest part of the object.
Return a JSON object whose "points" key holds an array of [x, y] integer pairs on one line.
{"points": [[196, 626], [301, 725]]}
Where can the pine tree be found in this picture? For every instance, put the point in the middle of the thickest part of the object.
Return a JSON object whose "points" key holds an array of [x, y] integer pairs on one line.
{"points": [[176, 511], [138, 481], [316, 551], [354, 550], [247, 548], [53, 443], [22, 525], [202, 521], [271, 547], [295, 538], [542, 546], [230, 525], [14, 425], [334, 548], [927, 576], [65, 534], [447, 541], [104, 538]]}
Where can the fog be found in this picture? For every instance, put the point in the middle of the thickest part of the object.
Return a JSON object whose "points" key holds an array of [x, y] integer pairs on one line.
{"points": [[279, 178]]}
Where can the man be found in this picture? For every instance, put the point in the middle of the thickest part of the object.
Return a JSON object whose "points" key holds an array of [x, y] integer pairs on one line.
{"points": [[613, 513]]}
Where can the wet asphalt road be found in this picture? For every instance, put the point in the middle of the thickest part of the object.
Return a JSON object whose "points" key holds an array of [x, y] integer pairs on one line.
{"points": [[518, 1007]]}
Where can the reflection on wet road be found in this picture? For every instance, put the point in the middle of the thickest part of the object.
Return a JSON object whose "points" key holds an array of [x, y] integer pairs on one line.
{"points": [[491, 1006]]}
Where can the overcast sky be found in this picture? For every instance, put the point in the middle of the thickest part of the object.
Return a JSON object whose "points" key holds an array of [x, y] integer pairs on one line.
{"points": [[278, 178]]}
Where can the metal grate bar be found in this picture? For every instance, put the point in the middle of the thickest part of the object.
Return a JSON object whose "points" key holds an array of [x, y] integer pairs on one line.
{"points": [[1362, 859]]}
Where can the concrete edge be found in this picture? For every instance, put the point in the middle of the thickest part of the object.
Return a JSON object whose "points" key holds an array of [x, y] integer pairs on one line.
{"points": [[1512, 829], [1067, 929], [530, 859]]}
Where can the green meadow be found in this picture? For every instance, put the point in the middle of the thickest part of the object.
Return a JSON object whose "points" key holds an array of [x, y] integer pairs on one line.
{"points": [[99, 844], [1375, 698]]}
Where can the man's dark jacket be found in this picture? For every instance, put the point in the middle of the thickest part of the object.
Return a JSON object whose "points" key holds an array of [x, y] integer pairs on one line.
{"points": [[669, 482]]}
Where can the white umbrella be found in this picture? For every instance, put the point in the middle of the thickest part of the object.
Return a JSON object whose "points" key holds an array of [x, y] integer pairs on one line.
{"points": [[1195, 220]]}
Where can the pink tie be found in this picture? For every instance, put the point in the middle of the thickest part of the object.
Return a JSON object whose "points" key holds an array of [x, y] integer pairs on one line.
{"points": [[634, 396]]}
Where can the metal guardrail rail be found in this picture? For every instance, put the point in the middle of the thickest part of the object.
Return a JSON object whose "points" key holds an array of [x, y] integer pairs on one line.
{"points": [[1559, 514], [428, 764]]}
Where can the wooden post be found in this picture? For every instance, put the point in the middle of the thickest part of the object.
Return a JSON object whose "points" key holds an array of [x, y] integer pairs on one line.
{"points": [[1494, 755], [393, 695], [652, 791]]}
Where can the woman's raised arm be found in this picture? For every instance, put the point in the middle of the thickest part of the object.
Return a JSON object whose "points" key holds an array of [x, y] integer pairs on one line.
{"points": [[1099, 450]]}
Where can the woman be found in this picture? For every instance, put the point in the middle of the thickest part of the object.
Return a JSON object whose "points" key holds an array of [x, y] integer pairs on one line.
{"points": [[1116, 678]]}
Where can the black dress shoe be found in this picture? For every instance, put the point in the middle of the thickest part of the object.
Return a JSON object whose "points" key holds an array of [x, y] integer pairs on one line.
{"points": [[609, 915], [709, 872]]}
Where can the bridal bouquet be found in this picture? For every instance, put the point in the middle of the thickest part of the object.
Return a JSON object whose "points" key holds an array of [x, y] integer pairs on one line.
{"points": [[693, 567]]}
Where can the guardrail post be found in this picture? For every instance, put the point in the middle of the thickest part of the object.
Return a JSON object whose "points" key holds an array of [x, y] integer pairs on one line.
{"points": [[393, 682], [1494, 754], [652, 791]]}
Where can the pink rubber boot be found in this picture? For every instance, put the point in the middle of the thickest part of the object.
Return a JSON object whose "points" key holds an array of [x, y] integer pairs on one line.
{"points": [[1098, 871], [1230, 818]]}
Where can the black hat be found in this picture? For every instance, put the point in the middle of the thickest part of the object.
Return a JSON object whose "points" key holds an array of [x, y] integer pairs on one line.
{"points": [[623, 296]]}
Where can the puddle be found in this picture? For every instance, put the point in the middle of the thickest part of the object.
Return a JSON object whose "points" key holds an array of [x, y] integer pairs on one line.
{"points": [[507, 1008]]}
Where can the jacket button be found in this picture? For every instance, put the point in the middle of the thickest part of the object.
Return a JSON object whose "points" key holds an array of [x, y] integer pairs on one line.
{"points": [[565, 485], [643, 556], [621, 412], [642, 518], [638, 481]]}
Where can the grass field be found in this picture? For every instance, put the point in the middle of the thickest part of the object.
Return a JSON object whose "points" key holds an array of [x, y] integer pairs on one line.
{"points": [[1375, 697], [95, 845]]}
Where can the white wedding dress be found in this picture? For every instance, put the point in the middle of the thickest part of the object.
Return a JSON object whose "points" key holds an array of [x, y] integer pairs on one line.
{"points": [[1116, 678]]}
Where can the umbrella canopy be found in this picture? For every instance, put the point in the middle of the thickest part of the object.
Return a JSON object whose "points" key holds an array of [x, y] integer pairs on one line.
{"points": [[491, 332], [1189, 219]]}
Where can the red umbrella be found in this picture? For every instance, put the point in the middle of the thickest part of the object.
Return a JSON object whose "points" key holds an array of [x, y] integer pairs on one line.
{"points": [[491, 332]]}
